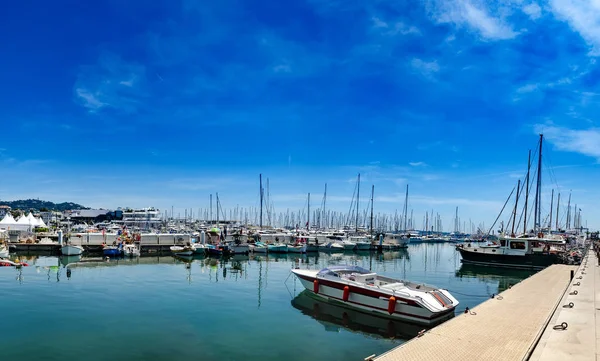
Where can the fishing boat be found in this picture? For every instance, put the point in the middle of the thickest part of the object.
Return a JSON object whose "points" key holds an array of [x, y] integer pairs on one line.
{"points": [[278, 248], [112, 251], [526, 253], [239, 248], [130, 250], [530, 250], [397, 240], [181, 251], [71, 250], [362, 289]]}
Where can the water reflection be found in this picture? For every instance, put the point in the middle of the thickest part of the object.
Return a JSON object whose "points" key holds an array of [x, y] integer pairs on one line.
{"points": [[505, 277], [334, 318]]}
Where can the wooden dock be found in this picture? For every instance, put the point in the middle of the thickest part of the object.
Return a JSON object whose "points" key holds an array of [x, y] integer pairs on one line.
{"points": [[507, 327]]}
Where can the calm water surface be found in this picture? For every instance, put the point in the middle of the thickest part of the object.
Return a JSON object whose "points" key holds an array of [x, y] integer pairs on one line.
{"points": [[244, 308]]}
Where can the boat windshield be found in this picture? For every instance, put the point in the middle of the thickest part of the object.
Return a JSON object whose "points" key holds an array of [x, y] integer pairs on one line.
{"points": [[337, 270]]}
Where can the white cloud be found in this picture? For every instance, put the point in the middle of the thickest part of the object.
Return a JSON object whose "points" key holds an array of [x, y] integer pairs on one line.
{"points": [[533, 10], [282, 68], [417, 164], [90, 100], [378, 23], [474, 16], [428, 69], [583, 16], [586, 142], [527, 88]]}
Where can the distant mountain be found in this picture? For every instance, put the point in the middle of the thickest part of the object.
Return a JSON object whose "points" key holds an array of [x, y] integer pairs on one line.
{"points": [[39, 205]]}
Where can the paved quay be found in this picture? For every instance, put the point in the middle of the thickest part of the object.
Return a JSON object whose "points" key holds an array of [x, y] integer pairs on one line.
{"points": [[507, 327], [579, 309]]}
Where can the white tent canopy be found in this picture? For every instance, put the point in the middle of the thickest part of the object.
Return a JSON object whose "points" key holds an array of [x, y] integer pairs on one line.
{"points": [[8, 220], [24, 223]]}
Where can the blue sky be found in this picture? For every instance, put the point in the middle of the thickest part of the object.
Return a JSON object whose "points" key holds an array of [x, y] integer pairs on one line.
{"points": [[162, 103]]}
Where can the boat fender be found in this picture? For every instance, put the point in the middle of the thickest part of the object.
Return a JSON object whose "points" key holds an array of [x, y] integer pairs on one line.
{"points": [[392, 305], [316, 286], [346, 293]]}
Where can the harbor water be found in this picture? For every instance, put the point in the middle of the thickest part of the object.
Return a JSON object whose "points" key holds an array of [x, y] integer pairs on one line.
{"points": [[240, 308]]}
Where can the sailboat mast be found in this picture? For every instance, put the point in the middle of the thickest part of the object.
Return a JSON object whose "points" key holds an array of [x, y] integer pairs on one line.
{"points": [[211, 218], [557, 208], [406, 210], [537, 207], [308, 222], [217, 194], [372, 194], [261, 201], [357, 200], [324, 204], [551, 207], [512, 232], [527, 192], [569, 213]]}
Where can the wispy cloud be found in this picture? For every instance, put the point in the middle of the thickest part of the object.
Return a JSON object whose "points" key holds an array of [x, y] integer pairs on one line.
{"points": [[474, 15], [417, 164], [394, 28], [110, 83], [583, 16], [586, 142], [427, 68], [528, 88]]}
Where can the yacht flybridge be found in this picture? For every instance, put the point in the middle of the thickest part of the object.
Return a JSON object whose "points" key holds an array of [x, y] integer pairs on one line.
{"points": [[359, 288]]}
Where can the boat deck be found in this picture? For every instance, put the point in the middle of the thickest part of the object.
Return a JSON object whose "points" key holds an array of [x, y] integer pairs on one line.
{"points": [[504, 328]]}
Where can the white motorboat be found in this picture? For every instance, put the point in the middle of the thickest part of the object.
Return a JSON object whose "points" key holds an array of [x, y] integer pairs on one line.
{"points": [[130, 250], [332, 247], [71, 250], [348, 245], [4, 252], [359, 288], [181, 251], [363, 245], [260, 247]]}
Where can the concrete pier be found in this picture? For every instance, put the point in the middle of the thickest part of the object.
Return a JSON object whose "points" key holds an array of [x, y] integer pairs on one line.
{"points": [[507, 327], [579, 311]]}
